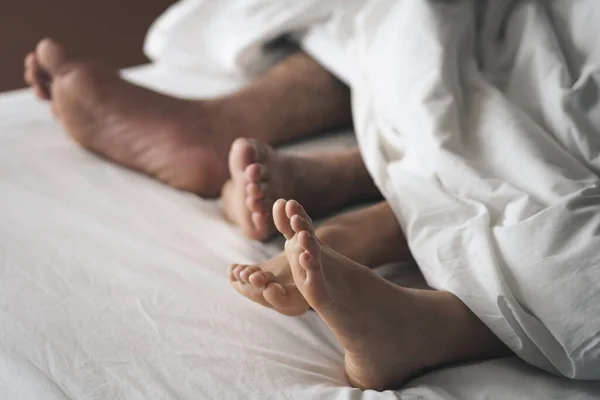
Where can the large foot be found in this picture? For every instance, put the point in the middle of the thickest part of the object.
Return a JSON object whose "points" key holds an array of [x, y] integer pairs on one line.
{"points": [[383, 328], [167, 138]]}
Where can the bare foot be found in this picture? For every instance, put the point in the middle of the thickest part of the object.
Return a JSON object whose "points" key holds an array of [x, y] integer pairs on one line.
{"points": [[369, 235], [270, 284], [247, 196], [260, 175], [167, 138], [384, 329]]}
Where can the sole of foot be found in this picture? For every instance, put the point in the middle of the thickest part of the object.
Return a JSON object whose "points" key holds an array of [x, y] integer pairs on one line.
{"points": [[378, 324], [269, 284], [260, 175], [164, 137], [369, 235]]}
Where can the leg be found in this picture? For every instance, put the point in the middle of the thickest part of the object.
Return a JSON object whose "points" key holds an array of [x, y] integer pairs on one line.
{"points": [[181, 142], [325, 182], [370, 236], [389, 333]]}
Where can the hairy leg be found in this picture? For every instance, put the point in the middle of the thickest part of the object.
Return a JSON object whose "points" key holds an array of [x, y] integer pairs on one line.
{"points": [[183, 143], [389, 333]]}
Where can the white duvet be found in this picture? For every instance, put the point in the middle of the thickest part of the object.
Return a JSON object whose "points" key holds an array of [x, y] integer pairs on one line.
{"points": [[480, 122], [113, 286]]}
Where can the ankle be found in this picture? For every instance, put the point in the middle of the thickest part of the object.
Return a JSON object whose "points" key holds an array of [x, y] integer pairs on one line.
{"points": [[459, 334], [343, 240]]}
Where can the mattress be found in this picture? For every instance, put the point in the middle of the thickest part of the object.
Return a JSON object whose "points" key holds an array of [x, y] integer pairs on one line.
{"points": [[114, 286]]}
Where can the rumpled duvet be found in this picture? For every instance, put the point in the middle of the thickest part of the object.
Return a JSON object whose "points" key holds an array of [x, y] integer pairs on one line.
{"points": [[479, 121]]}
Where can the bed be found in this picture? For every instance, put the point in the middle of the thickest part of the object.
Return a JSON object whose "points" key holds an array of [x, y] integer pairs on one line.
{"points": [[114, 286]]}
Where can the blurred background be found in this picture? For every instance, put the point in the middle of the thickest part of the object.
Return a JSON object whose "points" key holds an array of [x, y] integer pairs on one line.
{"points": [[108, 30]]}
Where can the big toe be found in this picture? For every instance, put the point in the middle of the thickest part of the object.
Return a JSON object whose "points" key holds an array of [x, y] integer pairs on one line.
{"points": [[241, 154], [50, 55], [281, 220], [285, 300], [299, 219]]}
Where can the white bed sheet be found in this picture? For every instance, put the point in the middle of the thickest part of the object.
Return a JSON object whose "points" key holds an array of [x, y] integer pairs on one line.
{"points": [[113, 286]]}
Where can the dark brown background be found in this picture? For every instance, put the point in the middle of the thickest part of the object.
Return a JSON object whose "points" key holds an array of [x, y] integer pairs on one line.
{"points": [[111, 30]]}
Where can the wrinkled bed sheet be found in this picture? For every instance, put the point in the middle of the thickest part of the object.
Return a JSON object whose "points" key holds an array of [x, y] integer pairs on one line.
{"points": [[113, 286], [479, 120]]}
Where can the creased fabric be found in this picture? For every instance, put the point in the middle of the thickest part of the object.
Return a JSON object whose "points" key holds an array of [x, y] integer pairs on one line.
{"points": [[479, 121]]}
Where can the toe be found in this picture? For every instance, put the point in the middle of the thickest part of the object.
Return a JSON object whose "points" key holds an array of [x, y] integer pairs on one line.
{"points": [[256, 172], [51, 56], [294, 208], [263, 150], [241, 154], [310, 280], [276, 295], [282, 222], [35, 77], [304, 255], [309, 243], [230, 273], [258, 279], [246, 272], [299, 224], [29, 68], [256, 204], [293, 252], [286, 301], [309, 262], [257, 190], [237, 270]]}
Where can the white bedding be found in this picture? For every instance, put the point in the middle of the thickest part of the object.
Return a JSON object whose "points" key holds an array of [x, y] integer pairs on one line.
{"points": [[113, 286], [479, 120]]}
